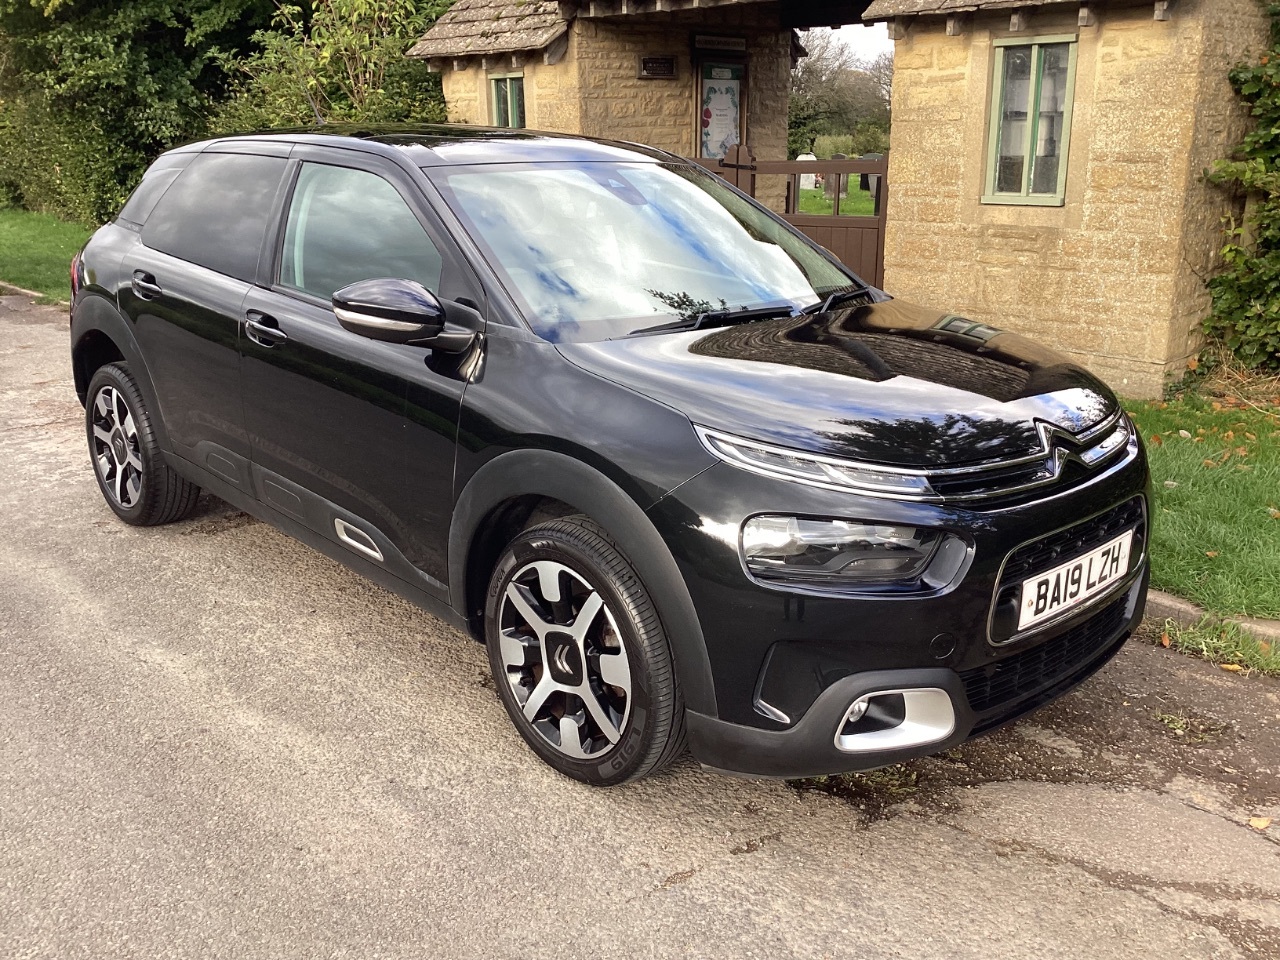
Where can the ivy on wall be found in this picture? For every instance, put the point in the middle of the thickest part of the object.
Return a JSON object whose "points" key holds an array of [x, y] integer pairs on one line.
{"points": [[1246, 296]]}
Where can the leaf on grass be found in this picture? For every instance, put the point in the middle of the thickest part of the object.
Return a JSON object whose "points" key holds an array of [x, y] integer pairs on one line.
{"points": [[1242, 451], [1251, 436], [1165, 639], [1185, 434], [1229, 435], [1275, 514], [1193, 364], [1231, 667], [1209, 463], [1157, 440], [1211, 554], [1199, 440], [1173, 483], [1259, 823], [1217, 405], [1264, 647]]}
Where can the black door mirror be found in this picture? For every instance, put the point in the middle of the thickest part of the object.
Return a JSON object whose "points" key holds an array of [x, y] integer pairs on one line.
{"points": [[393, 311]]}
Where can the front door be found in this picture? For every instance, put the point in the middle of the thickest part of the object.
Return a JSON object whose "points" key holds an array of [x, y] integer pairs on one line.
{"points": [[327, 410]]}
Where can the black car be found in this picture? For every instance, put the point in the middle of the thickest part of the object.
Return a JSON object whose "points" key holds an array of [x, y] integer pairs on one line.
{"points": [[688, 477]]}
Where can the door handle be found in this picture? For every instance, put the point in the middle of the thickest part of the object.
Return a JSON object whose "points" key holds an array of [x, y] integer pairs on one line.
{"points": [[145, 286], [263, 329]]}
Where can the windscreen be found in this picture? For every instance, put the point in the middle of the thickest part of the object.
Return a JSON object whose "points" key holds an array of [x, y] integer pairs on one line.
{"points": [[597, 250]]}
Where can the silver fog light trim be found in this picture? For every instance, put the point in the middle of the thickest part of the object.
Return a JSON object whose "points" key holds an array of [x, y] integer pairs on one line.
{"points": [[930, 718]]}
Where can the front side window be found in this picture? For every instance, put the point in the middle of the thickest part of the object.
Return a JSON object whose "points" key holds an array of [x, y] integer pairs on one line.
{"points": [[1030, 126], [594, 250], [508, 102], [349, 225]]}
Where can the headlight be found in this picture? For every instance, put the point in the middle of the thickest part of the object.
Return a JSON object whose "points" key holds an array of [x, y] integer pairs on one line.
{"points": [[785, 464], [838, 551]]}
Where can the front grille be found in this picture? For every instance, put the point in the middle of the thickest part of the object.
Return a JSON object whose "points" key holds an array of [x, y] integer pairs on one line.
{"points": [[1000, 683], [1047, 553]]}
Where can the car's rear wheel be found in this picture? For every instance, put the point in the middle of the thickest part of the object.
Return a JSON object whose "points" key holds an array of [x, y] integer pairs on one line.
{"points": [[579, 655], [135, 480]]}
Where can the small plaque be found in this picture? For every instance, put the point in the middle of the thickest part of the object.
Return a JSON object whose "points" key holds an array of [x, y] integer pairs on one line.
{"points": [[657, 68], [726, 44]]}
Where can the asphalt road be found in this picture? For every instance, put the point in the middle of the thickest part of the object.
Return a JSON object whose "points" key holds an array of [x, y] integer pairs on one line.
{"points": [[216, 743]]}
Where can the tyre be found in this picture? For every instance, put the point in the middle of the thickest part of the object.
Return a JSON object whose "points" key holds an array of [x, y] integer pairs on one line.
{"points": [[579, 655], [132, 474]]}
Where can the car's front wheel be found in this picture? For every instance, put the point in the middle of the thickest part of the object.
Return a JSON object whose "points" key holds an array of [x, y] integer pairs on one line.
{"points": [[579, 655], [135, 480]]}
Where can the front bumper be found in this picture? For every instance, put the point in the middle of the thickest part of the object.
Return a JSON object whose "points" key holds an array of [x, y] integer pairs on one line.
{"points": [[1038, 675]]}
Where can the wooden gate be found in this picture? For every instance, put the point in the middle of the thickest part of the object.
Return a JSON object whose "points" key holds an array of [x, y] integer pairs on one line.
{"points": [[840, 204]]}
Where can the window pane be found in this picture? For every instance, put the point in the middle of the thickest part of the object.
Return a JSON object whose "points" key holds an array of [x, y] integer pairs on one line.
{"points": [[1015, 96], [518, 118], [501, 104], [349, 225], [215, 214], [1054, 60]]}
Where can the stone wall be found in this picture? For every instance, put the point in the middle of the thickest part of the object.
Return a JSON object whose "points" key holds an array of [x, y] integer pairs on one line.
{"points": [[1113, 277], [595, 91]]}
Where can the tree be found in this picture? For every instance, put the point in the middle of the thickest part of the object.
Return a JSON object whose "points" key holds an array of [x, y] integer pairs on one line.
{"points": [[346, 62], [90, 91], [834, 92]]}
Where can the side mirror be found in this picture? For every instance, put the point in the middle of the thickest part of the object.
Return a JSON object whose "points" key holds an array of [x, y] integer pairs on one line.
{"points": [[393, 311]]}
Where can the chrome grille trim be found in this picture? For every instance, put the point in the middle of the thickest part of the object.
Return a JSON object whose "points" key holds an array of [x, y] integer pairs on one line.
{"points": [[1092, 448]]}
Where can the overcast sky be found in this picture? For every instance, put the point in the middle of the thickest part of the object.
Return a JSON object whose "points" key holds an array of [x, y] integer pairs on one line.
{"points": [[866, 42]]}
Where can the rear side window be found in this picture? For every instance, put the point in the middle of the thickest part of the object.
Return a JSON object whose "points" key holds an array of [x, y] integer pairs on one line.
{"points": [[158, 178], [347, 225], [216, 212]]}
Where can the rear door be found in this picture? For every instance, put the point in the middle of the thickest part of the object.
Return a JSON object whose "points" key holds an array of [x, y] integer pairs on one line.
{"points": [[183, 287], [327, 410]]}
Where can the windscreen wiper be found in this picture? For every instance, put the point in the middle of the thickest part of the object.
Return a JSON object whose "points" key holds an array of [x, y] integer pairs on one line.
{"points": [[720, 318], [840, 296]]}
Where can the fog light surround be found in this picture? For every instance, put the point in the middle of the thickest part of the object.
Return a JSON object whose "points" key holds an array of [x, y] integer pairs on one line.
{"points": [[914, 717], [825, 552]]}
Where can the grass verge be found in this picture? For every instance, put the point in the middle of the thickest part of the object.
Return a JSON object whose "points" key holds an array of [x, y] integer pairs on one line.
{"points": [[1224, 644], [1216, 514], [36, 251]]}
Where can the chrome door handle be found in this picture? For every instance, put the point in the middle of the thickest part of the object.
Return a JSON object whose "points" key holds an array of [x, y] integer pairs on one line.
{"points": [[145, 286], [263, 329]]}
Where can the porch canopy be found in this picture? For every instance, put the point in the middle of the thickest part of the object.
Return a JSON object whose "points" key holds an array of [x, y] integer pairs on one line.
{"points": [[494, 29]]}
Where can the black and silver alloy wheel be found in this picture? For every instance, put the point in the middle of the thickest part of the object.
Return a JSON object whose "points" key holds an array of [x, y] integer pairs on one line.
{"points": [[129, 466], [579, 655], [564, 659], [115, 447]]}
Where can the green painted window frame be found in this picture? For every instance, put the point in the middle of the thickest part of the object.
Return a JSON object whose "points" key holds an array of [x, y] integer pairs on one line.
{"points": [[515, 104], [1026, 198]]}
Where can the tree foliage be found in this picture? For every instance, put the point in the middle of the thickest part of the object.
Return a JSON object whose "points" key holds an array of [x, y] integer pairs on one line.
{"points": [[345, 62], [90, 91], [835, 93], [1246, 295]]}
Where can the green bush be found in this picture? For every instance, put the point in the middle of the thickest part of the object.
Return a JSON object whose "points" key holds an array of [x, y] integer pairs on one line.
{"points": [[868, 138], [1245, 313]]}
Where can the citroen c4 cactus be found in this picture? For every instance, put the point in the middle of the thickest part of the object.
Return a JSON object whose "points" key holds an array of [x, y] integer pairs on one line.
{"points": [[693, 483]]}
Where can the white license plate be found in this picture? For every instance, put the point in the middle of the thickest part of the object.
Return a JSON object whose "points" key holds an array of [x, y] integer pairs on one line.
{"points": [[1072, 584]]}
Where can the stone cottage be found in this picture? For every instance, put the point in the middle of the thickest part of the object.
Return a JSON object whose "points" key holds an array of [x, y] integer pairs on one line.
{"points": [[1047, 168], [690, 76]]}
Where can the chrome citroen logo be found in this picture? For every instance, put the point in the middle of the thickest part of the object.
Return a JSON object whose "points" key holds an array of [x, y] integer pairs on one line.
{"points": [[561, 659]]}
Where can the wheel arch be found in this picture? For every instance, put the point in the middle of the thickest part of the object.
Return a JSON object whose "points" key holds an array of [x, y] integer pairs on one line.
{"points": [[505, 493], [101, 335]]}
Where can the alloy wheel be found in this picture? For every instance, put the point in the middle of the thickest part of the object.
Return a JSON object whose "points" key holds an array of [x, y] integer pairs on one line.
{"points": [[564, 659], [116, 454]]}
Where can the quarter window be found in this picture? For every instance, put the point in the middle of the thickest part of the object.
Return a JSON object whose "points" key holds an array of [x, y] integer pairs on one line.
{"points": [[1030, 127], [508, 102], [349, 225], [215, 214]]}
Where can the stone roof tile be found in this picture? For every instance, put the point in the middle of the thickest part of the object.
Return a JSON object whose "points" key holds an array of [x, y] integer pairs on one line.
{"points": [[477, 27]]}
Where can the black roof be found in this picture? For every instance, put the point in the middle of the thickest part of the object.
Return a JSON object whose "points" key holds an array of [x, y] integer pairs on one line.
{"points": [[429, 145]]}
